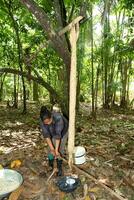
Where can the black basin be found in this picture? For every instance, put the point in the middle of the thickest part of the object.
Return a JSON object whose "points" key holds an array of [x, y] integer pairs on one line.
{"points": [[68, 183]]}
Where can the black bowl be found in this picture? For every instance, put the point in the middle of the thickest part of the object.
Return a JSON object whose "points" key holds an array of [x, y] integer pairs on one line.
{"points": [[68, 183]]}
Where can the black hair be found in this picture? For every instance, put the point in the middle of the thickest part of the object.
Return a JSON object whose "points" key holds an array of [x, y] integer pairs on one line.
{"points": [[44, 113]]}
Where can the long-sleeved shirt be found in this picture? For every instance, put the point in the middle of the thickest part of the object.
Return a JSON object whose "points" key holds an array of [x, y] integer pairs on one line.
{"points": [[57, 129]]}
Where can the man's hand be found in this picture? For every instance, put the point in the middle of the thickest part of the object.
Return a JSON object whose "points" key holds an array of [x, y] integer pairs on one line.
{"points": [[57, 154], [53, 152]]}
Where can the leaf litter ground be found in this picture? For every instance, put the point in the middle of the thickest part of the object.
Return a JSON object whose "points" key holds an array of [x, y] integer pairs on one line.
{"points": [[109, 143]]}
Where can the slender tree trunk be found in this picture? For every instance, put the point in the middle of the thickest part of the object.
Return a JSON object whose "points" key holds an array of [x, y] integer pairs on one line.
{"points": [[92, 66], [78, 92], [18, 89], [124, 69], [35, 91], [114, 93], [106, 51], [127, 98], [51, 99], [96, 88], [128, 78], [81, 53], [1, 86], [21, 68], [15, 93], [102, 78], [19, 48]]}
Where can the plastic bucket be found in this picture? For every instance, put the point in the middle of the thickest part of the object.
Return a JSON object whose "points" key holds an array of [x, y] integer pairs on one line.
{"points": [[79, 155], [9, 176]]}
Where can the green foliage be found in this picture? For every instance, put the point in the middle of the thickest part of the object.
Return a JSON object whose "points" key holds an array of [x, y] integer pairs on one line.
{"points": [[128, 4], [111, 44]]}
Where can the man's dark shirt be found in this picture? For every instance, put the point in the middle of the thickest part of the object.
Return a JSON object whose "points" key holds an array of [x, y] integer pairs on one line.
{"points": [[57, 129]]}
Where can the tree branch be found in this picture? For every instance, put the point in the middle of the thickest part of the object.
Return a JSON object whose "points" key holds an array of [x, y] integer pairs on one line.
{"points": [[39, 80], [42, 17]]}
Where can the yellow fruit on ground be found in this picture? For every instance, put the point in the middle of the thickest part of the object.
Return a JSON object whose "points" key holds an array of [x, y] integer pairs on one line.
{"points": [[15, 163]]}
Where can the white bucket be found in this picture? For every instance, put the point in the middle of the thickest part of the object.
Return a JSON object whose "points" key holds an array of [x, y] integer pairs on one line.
{"points": [[79, 155]]}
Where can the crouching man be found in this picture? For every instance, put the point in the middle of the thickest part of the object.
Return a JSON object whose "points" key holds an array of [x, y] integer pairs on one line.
{"points": [[54, 128]]}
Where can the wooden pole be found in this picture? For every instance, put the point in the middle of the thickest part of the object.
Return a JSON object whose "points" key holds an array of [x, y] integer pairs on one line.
{"points": [[73, 27], [69, 26], [72, 96]]}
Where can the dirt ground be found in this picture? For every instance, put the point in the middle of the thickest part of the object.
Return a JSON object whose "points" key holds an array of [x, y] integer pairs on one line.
{"points": [[109, 143]]}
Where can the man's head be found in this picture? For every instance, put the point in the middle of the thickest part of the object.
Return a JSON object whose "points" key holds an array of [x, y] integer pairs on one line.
{"points": [[47, 121], [45, 115]]}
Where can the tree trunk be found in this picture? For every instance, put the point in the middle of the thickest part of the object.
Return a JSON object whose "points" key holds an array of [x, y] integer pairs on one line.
{"points": [[1, 87], [114, 93], [15, 93], [35, 91], [106, 50], [19, 48], [81, 54], [124, 69], [78, 93], [128, 77], [96, 88], [58, 42], [92, 67]]}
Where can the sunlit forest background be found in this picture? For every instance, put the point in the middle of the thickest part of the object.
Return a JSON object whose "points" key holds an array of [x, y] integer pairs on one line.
{"points": [[35, 62], [105, 50]]}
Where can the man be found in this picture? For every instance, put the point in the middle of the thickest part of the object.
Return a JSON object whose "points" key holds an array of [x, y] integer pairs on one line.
{"points": [[54, 128]]}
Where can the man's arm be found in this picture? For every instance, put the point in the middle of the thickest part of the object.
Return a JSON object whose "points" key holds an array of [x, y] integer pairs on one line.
{"points": [[57, 147], [50, 144]]}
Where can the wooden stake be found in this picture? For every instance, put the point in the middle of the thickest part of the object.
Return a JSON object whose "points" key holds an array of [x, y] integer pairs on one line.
{"points": [[68, 27], [55, 170], [72, 97], [16, 194]]}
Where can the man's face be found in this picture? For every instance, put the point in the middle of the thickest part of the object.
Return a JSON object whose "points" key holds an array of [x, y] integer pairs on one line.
{"points": [[47, 121]]}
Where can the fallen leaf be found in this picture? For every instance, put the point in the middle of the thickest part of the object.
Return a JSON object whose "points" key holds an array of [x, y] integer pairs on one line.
{"points": [[87, 198], [94, 190]]}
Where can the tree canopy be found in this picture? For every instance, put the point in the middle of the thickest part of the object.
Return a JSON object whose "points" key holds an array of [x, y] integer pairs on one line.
{"points": [[32, 47]]}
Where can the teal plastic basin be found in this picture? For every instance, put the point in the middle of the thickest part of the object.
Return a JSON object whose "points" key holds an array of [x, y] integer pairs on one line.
{"points": [[11, 179]]}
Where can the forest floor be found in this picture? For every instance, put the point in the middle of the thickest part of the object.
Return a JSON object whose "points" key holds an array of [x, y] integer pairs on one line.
{"points": [[109, 143]]}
